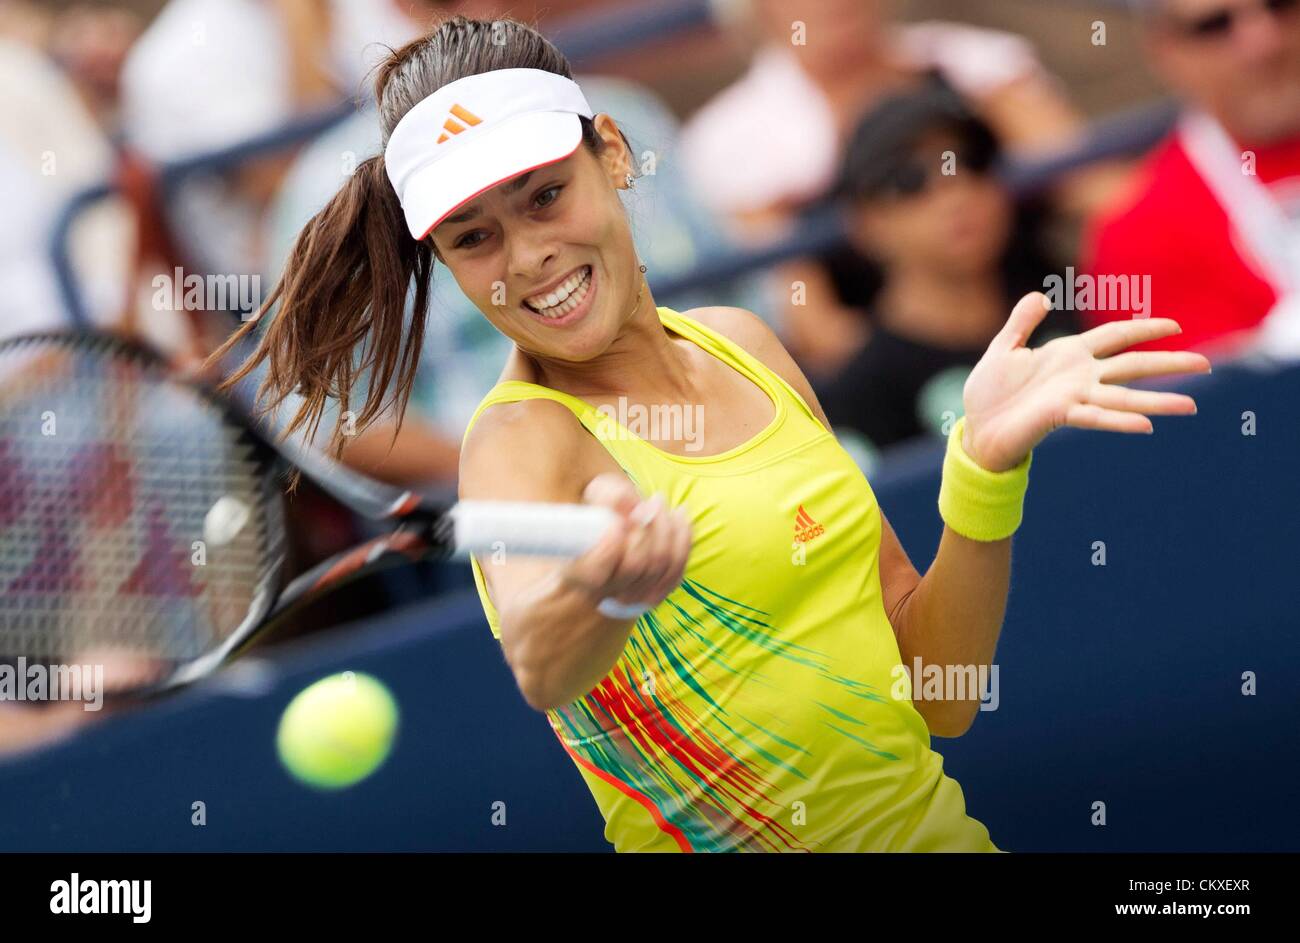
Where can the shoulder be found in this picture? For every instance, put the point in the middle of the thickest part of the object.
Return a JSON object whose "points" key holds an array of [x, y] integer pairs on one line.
{"points": [[558, 449], [750, 332], [738, 324], [530, 422]]}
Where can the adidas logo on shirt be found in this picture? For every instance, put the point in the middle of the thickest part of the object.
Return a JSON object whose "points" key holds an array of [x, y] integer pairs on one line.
{"points": [[805, 528]]}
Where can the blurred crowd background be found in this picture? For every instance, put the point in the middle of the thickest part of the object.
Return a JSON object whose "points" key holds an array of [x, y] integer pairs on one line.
{"points": [[906, 121]]}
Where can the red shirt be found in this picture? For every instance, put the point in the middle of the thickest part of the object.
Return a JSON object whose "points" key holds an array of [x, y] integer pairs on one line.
{"points": [[1173, 228]]}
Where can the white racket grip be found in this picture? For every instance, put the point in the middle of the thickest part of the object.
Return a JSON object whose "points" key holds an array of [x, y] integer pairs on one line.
{"points": [[527, 528]]}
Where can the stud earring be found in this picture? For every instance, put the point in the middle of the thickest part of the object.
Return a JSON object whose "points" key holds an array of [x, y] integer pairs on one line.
{"points": [[631, 181]]}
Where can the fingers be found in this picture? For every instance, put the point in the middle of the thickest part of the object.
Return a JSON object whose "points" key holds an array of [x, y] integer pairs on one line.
{"points": [[677, 551], [1023, 320], [1119, 409], [1141, 401], [640, 559], [656, 558], [647, 550], [1113, 336], [1091, 416], [1137, 364], [614, 491], [595, 568]]}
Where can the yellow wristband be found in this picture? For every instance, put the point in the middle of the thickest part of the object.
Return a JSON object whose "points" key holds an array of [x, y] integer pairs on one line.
{"points": [[978, 503]]}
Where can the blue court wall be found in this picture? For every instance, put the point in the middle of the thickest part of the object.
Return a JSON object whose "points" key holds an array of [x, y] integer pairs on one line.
{"points": [[1119, 684]]}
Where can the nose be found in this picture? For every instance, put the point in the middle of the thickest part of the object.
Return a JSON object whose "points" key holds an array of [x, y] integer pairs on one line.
{"points": [[530, 254], [963, 194]]}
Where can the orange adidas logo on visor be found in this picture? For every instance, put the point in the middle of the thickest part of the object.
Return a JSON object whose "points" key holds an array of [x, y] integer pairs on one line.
{"points": [[805, 528], [454, 126]]}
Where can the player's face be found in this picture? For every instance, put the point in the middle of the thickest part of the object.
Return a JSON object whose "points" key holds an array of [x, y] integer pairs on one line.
{"points": [[563, 231], [1238, 59], [941, 211]]}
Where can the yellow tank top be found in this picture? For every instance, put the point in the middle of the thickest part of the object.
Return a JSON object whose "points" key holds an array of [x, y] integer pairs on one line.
{"points": [[754, 708]]}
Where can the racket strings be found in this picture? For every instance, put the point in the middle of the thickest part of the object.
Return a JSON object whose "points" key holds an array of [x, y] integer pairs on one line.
{"points": [[109, 474]]}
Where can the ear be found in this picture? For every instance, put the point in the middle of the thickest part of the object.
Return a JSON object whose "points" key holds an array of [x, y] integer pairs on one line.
{"points": [[615, 158]]}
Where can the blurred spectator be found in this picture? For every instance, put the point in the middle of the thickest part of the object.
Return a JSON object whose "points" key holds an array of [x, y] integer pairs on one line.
{"points": [[209, 74], [90, 43], [463, 353], [49, 149], [950, 256], [26, 22], [1214, 219], [769, 144], [772, 141]]}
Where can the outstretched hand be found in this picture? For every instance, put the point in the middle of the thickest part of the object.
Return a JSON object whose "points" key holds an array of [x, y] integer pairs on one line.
{"points": [[1016, 395]]}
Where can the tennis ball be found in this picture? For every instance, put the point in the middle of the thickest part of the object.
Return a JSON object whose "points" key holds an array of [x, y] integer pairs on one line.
{"points": [[338, 731], [225, 519]]}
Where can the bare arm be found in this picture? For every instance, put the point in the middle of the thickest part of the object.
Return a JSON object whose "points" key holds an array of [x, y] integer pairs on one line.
{"points": [[556, 642], [417, 454], [1014, 397]]}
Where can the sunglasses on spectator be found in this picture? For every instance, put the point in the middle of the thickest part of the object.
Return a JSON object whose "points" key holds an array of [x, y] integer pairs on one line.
{"points": [[1219, 23], [915, 175]]}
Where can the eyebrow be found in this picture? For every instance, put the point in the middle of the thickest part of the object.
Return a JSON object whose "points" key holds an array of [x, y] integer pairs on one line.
{"points": [[508, 188]]}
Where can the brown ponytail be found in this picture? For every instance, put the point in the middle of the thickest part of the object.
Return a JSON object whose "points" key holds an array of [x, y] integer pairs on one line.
{"points": [[345, 285]]}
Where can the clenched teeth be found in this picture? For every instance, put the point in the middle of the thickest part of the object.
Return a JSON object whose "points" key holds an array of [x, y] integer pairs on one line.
{"points": [[565, 298]]}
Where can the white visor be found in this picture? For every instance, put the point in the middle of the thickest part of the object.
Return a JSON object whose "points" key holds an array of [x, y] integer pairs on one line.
{"points": [[476, 133]]}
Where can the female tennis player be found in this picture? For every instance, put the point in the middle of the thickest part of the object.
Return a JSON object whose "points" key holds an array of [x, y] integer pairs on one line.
{"points": [[724, 666]]}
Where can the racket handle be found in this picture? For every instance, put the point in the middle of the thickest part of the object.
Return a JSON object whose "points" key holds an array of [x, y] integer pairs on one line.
{"points": [[527, 528]]}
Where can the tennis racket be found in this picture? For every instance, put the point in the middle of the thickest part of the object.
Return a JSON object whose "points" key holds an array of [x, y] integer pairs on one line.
{"points": [[141, 514]]}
